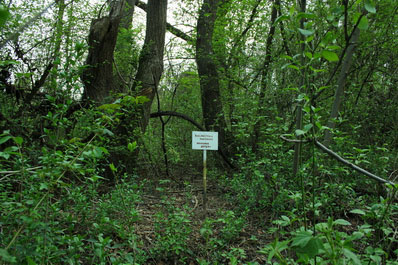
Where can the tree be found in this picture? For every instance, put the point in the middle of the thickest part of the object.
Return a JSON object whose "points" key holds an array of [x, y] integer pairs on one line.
{"points": [[213, 114]]}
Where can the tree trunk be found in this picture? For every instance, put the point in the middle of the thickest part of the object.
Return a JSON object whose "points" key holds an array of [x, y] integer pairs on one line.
{"points": [[264, 74], [150, 67], [213, 114], [98, 76], [339, 93]]}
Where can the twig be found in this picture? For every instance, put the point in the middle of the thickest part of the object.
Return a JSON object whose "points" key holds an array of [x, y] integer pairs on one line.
{"points": [[18, 171]]}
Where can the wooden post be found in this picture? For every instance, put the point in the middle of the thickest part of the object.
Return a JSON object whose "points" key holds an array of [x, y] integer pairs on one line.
{"points": [[204, 182]]}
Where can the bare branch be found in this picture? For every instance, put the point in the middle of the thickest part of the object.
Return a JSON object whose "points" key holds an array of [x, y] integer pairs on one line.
{"points": [[177, 32]]}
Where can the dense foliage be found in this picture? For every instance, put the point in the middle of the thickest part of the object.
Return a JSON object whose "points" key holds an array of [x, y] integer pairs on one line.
{"points": [[99, 180]]}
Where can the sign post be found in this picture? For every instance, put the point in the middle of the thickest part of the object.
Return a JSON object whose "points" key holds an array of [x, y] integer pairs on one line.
{"points": [[204, 141]]}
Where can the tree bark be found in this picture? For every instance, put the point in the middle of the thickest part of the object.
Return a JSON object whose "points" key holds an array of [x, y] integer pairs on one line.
{"points": [[150, 67], [98, 76]]}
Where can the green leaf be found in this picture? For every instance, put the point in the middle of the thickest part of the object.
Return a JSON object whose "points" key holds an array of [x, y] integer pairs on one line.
{"points": [[7, 62], [308, 127], [301, 239], [333, 47], [4, 155], [30, 261], [5, 139], [97, 152], [18, 140], [141, 99], [330, 56], [350, 255], [43, 186], [284, 56], [108, 132], [291, 10], [132, 146], [341, 222], [112, 167], [309, 39], [306, 32], [299, 132], [4, 15], [358, 211], [293, 67], [308, 54], [370, 7], [356, 236], [311, 249], [364, 23], [281, 18], [110, 107]]}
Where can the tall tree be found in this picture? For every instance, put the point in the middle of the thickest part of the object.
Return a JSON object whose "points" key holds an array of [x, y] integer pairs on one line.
{"points": [[213, 114]]}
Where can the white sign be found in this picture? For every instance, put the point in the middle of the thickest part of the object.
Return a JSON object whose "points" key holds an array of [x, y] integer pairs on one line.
{"points": [[204, 140]]}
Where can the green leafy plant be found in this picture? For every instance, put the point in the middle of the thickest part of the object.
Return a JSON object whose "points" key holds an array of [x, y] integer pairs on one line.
{"points": [[172, 230]]}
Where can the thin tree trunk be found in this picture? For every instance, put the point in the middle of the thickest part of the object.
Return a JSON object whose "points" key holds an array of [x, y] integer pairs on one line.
{"points": [[58, 41], [264, 74], [299, 108], [339, 93]]}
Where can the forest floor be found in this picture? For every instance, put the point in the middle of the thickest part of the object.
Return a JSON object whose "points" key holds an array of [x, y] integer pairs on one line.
{"points": [[169, 196]]}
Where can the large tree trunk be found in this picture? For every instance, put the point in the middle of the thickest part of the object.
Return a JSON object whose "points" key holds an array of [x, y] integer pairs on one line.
{"points": [[98, 76], [213, 113], [150, 67]]}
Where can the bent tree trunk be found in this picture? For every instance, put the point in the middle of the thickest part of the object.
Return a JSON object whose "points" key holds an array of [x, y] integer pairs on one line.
{"points": [[150, 67], [213, 114]]}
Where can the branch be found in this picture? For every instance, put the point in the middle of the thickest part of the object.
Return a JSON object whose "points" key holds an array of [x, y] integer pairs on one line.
{"points": [[179, 115], [177, 32], [340, 159], [39, 83]]}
